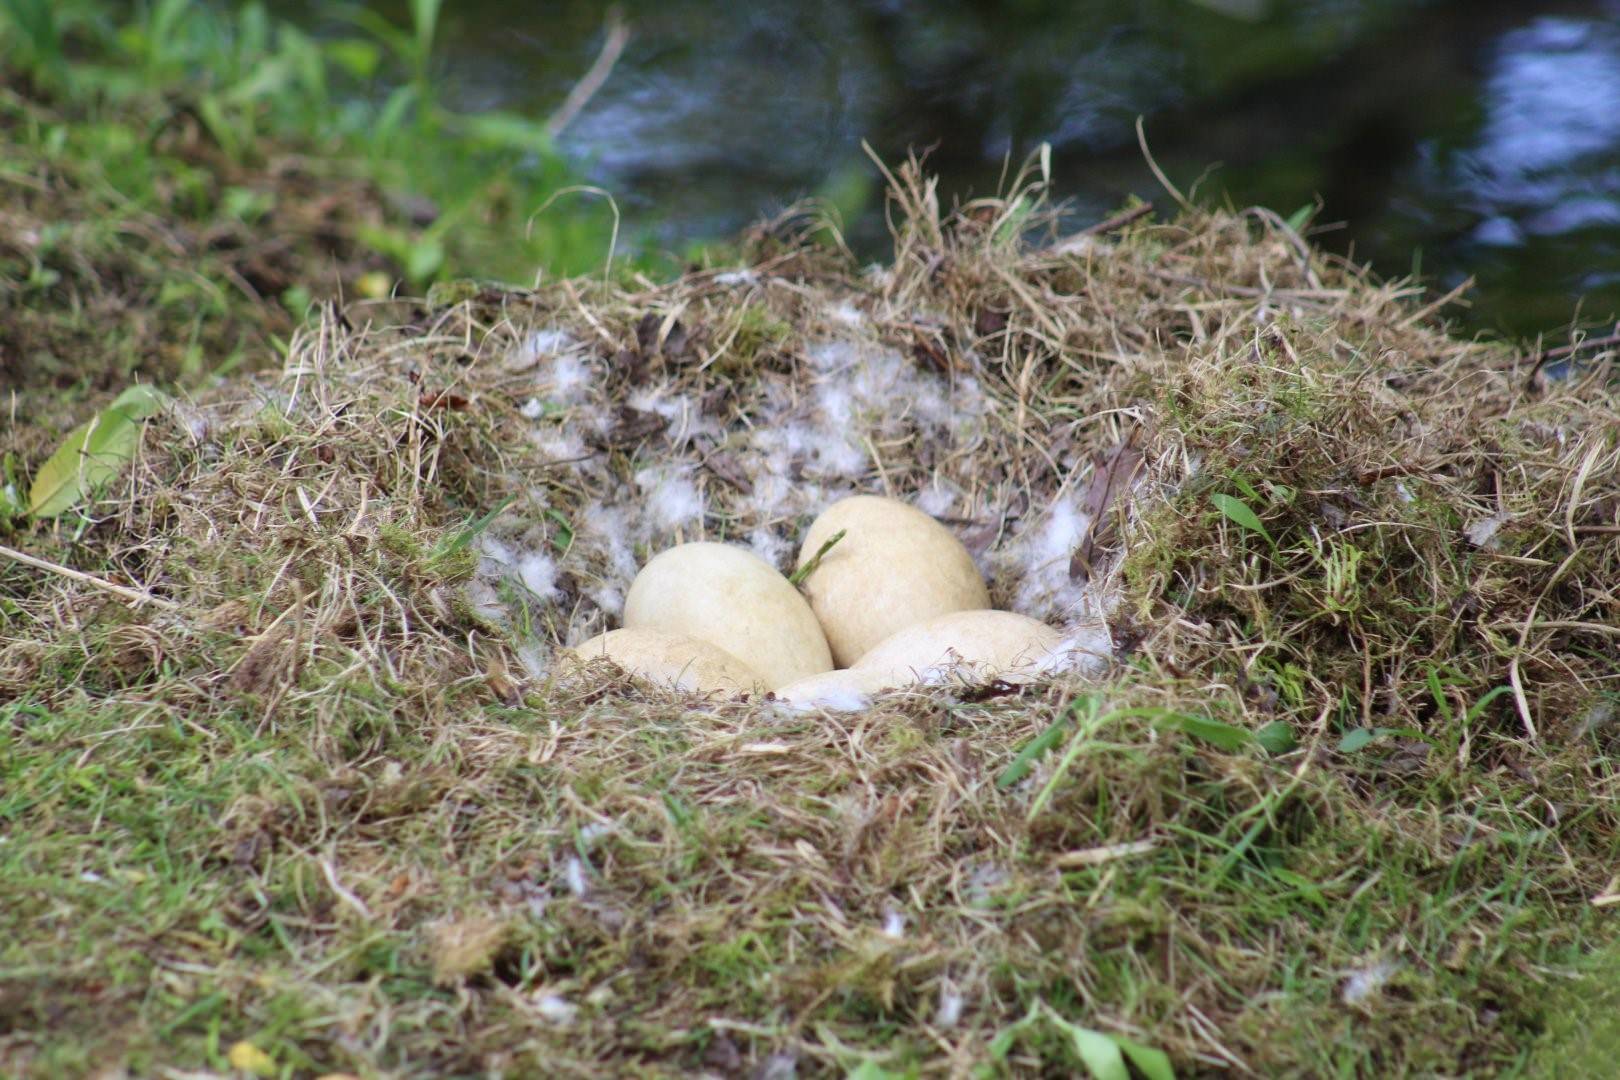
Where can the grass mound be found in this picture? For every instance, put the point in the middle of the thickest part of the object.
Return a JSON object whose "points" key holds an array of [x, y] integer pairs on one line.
{"points": [[1344, 805]]}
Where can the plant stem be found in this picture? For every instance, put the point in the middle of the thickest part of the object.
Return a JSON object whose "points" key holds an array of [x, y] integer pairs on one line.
{"points": [[809, 568]]}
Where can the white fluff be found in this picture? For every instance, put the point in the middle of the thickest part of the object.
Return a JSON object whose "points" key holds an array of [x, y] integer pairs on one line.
{"points": [[1088, 648], [1042, 552], [559, 442], [568, 378], [949, 1013], [608, 529], [608, 598], [846, 313], [549, 341], [555, 1009], [1363, 984], [590, 834], [771, 547], [486, 602], [935, 500], [1482, 533], [840, 457], [535, 658], [672, 499], [538, 346], [574, 874], [538, 572]]}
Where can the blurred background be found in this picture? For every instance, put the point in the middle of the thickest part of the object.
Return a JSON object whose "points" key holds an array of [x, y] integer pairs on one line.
{"points": [[299, 148], [1453, 138]]}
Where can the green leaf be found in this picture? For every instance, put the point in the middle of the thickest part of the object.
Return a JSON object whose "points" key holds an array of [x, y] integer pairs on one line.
{"points": [[357, 58], [1217, 733], [1361, 738], [1238, 512], [1277, 737], [391, 117], [425, 21], [1357, 739], [1246, 489], [425, 258], [140, 401], [36, 21], [93, 454], [871, 1070], [563, 538], [1298, 218], [1100, 1053], [508, 131], [1151, 1063], [212, 111]]}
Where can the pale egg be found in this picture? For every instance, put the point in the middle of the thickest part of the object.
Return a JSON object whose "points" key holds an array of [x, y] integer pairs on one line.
{"points": [[978, 644], [895, 566], [733, 599], [671, 659], [845, 690]]}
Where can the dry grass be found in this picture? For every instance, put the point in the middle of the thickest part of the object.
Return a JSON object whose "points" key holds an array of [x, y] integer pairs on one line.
{"points": [[335, 805]]}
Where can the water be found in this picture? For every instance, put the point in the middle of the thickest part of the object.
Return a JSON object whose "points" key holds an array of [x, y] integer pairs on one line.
{"points": [[1465, 138]]}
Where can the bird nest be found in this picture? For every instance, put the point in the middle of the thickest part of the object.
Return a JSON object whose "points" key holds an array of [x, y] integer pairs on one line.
{"points": [[1358, 578]]}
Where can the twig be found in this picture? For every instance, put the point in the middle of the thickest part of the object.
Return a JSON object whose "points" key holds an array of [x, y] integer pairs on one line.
{"points": [[1563, 351], [618, 35], [133, 595], [1589, 343], [809, 568], [1098, 855], [1118, 221]]}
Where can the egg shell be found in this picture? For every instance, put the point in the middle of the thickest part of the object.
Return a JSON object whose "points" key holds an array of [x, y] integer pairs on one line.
{"points": [[844, 690], [994, 644], [671, 659], [731, 598], [895, 566]]}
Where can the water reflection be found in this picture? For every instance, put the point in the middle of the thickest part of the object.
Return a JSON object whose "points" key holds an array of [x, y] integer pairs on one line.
{"points": [[1482, 134], [1540, 178]]}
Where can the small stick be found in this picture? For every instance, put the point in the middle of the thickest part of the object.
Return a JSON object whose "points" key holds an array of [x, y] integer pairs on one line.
{"points": [[1570, 350], [1098, 855], [1587, 343], [133, 595], [815, 560], [1118, 221], [618, 35]]}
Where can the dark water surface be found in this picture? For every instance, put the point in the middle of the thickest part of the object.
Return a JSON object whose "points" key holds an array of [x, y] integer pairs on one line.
{"points": [[1455, 137]]}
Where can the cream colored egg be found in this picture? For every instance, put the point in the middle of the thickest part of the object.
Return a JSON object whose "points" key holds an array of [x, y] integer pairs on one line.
{"points": [[895, 566], [984, 644], [845, 690], [730, 597], [671, 659]]}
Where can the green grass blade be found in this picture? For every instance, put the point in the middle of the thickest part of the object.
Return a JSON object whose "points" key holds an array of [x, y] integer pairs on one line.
{"points": [[1237, 511], [1021, 764]]}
